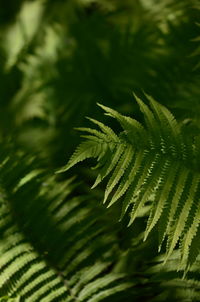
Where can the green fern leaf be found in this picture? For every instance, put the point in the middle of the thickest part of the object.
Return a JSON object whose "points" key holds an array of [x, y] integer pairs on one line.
{"points": [[169, 278], [153, 160], [64, 251]]}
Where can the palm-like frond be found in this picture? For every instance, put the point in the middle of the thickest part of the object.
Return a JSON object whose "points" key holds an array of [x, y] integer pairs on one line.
{"points": [[154, 162]]}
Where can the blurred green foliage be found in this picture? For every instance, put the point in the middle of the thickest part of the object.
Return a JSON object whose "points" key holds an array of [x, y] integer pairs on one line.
{"points": [[58, 58]]}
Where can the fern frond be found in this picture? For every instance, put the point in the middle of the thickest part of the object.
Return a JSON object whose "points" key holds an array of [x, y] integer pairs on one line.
{"points": [[169, 278], [53, 246], [153, 160]]}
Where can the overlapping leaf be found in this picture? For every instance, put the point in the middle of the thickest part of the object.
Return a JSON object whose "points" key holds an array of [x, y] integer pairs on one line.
{"points": [[152, 162], [53, 246]]}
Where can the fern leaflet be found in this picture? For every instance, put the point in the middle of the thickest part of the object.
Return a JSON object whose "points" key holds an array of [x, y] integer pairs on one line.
{"points": [[157, 160]]}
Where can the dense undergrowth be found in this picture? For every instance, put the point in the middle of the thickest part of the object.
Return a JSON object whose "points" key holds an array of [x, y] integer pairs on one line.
{"points": [[135, 235]]}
